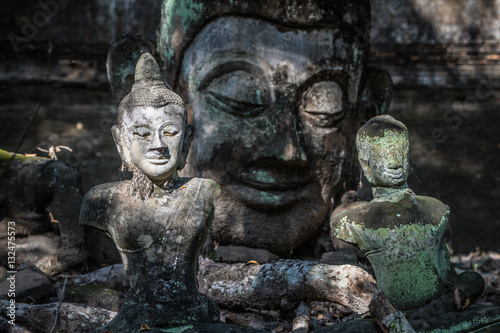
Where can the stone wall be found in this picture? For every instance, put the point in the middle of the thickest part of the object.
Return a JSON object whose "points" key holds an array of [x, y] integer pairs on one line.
{"points": [[442, 55]]}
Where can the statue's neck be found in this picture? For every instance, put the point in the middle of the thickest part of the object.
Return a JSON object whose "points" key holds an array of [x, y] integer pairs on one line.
{"points": [[161, 188], [169, 183], [391, 194]]}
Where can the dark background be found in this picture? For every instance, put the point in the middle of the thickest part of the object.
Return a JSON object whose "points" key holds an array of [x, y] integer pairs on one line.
{"points": [[443, 56]]}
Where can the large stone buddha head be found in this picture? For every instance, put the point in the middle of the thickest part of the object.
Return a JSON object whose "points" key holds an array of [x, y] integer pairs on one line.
{"points": [[276, 91]]}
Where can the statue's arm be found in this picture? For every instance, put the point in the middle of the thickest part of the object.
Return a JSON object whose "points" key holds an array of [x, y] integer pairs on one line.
{"points": [[213, 190], [343, 222], [94, 208], [202, 195]]}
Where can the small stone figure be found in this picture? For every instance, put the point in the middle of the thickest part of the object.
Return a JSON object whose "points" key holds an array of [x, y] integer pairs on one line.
{"points": [[402, 234], [28, 186], [158, 221]]}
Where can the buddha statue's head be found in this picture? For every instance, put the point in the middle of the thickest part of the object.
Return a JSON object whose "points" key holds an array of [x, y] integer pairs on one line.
{"points": [[276, 91], [151, 134], [383, 150]]}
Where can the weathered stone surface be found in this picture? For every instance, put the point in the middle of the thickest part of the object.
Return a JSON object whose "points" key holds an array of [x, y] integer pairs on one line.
{"points": [[157, 220]]}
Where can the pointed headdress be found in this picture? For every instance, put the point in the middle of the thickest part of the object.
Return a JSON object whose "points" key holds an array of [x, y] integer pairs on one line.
{"points": [[149, 89]]}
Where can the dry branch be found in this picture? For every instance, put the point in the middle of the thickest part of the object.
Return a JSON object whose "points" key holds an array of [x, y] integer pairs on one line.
{"points": [[72, 317], [285, 283]]}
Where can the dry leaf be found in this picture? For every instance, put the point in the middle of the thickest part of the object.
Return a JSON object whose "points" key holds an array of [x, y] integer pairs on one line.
{"points": [[252, 262], [145, 327], [467, 302], [52, 219]]}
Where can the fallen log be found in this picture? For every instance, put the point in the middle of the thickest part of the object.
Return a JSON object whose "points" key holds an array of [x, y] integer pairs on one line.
{"points": [[389, 319], [284, 284], [70, 317], [111, 276]]}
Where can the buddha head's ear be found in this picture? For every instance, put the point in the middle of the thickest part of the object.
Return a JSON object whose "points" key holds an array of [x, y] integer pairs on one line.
{"points": [[376, 93], [186, 144], [122, 146], [121, 62]]}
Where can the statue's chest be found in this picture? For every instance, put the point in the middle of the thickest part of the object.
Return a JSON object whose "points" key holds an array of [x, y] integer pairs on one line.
{"points": [[139, 225]]}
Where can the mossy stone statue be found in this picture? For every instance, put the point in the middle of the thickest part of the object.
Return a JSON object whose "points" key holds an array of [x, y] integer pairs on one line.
{"points": [[402, 234]]}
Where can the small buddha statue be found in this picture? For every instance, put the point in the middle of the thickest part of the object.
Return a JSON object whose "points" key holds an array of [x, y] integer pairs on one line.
{"points": [[158, 221], [401, 234]]}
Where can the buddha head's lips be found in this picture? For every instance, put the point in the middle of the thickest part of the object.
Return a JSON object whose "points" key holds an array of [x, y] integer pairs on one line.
{"points": [[158, 160], [270, 188], [272, 178]]}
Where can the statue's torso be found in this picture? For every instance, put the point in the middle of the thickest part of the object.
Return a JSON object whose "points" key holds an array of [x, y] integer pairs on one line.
{"points": [[404, 241], [159, 238]]}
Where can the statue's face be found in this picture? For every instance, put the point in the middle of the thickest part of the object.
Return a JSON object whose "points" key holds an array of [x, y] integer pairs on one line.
{"points": [[154, 137], [387, 164], [274, 116]]}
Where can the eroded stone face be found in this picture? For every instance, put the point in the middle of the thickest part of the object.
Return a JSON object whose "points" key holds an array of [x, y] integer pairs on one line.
{"points": [[155, 138], [385, 162], [274, 125]]}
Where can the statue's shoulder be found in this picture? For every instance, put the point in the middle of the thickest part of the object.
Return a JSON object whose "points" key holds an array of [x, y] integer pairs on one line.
{"points": [[431, 202], [348, 211], [205, 185], [347, 221], [96, 203], [106, 190], [433, 206]]}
